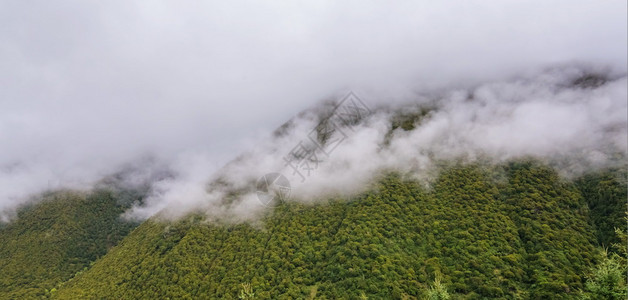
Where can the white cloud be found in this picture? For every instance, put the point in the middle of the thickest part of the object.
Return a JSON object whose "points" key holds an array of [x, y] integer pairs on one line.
{"points": [[89, 87]]}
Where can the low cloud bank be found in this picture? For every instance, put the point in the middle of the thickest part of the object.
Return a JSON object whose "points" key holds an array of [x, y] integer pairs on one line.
{"points": [[165, 94], [568, 117]]}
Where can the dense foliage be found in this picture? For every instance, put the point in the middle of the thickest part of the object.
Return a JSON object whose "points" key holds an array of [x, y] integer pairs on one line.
{"points": [[606, 196], [51, 240], [514, 231]]}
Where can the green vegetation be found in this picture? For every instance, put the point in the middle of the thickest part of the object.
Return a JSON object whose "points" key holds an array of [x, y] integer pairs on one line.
{"points": [[52, 240], [608, 279], [409, 118], [516, 231], [606, 196]]}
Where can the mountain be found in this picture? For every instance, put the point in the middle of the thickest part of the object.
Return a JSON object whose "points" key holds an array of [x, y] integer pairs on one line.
{"points": [[59, 235], [514, 230], [448, 203]]}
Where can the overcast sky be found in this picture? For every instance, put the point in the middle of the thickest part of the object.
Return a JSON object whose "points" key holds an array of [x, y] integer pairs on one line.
{"points": [[87, 86]]}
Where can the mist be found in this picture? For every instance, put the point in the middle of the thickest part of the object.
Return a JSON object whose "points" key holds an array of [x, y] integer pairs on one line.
{"points": [[551, 116], [91, 89]]}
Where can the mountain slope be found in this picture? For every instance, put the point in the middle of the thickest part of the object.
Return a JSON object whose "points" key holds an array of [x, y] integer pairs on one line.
{"points": [[515, 231], [51, 240], [606, 194]]}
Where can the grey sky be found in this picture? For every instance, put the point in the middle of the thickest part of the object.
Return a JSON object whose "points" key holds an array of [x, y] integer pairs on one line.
{"points": [[88, 86]]}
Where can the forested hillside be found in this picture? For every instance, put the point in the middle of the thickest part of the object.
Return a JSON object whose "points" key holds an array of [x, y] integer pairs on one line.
{"points": [[51, 240], [604, 192], [516, 231]]}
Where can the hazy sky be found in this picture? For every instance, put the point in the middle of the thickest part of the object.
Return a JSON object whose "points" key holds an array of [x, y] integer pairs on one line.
{"points": [[86, 86]]}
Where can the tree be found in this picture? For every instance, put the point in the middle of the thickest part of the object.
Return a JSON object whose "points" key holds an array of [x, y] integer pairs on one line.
{"points": [[437, 291], [608, 279], [246, 292]]}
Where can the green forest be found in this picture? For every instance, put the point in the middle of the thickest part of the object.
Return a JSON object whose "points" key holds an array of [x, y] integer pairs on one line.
{"points": [[52, 240], [510, 231]]}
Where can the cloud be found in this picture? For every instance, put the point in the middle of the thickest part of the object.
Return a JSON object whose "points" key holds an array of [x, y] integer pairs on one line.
{"points": [[547, 116], [89, 88]]}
